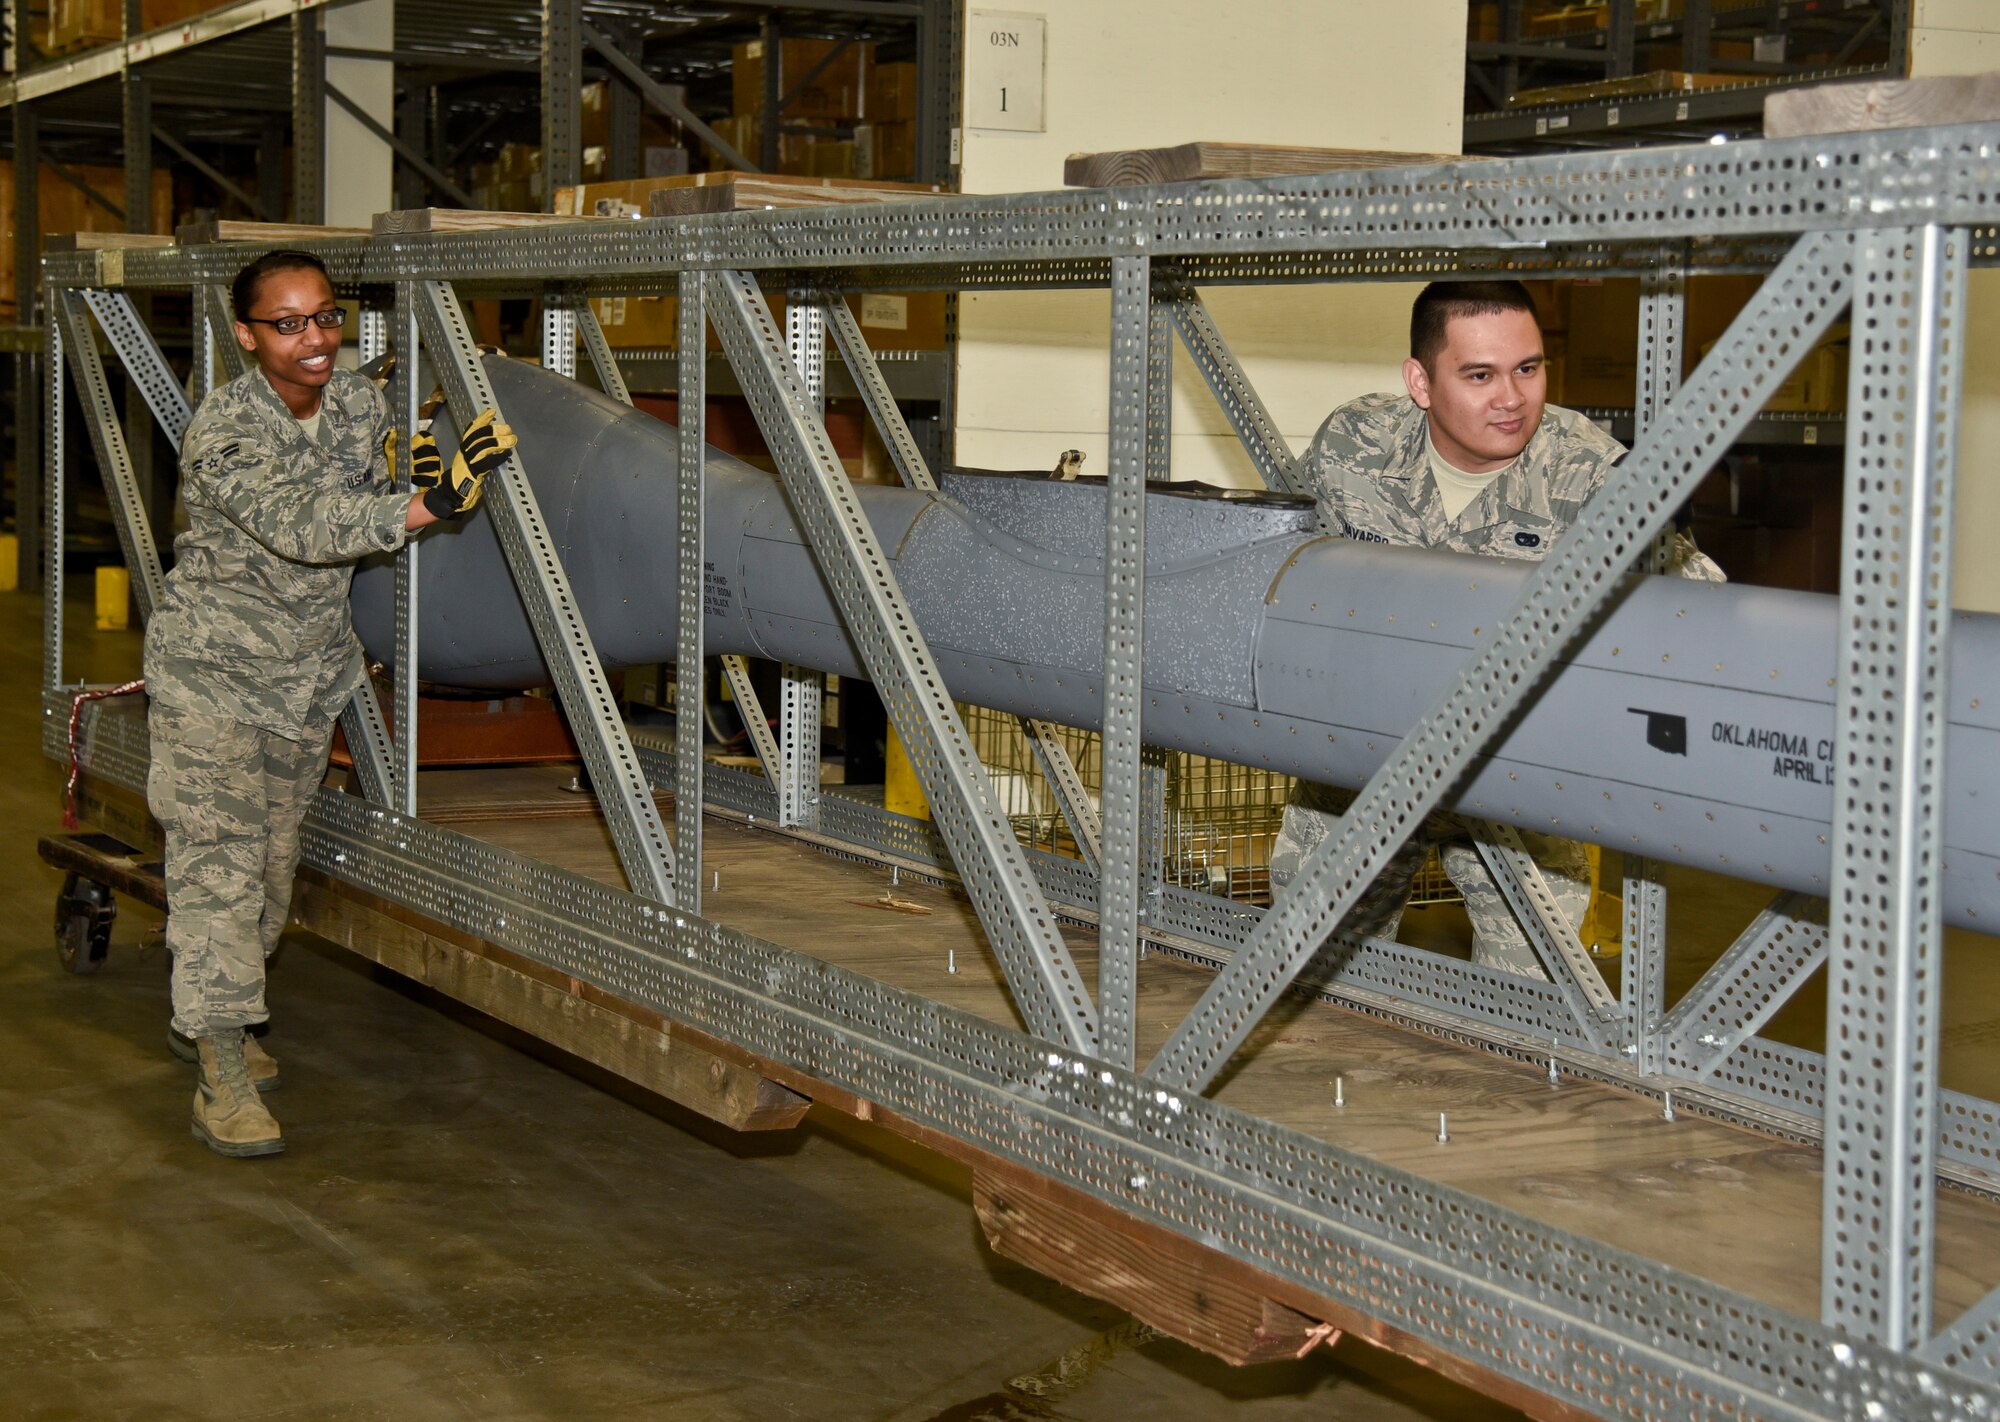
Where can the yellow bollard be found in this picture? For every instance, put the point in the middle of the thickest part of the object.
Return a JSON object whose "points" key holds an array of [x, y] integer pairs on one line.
{"points": [[10, 563], [902, 794], [114, 599]]}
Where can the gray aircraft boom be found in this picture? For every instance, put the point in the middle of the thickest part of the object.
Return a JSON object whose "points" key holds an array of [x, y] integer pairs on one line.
{"points": [[1696, 722]]}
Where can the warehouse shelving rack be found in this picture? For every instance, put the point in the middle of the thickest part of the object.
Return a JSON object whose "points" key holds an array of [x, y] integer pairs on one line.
{"points": [[1887, 221], [253, 74], [1499, 70]]}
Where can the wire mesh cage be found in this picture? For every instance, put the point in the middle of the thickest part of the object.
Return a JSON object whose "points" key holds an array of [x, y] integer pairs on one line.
{"points": [[1219, 819]]}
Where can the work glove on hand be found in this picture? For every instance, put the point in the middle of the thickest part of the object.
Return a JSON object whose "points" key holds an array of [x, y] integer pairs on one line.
{"points": [[483, 449]]}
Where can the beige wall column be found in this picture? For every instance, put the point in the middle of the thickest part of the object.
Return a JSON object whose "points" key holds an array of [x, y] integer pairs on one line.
{"points": [[1963, 37], [360, 168]]}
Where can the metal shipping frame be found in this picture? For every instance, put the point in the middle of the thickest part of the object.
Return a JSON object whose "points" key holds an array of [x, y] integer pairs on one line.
{"points": [[1885, 224]]}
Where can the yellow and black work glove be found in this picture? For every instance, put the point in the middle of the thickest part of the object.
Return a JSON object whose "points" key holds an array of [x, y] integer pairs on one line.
{"points": [[484, 448]]}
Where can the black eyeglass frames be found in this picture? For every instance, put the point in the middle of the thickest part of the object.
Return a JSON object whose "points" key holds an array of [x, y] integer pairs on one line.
{"points": [[291, 325]]}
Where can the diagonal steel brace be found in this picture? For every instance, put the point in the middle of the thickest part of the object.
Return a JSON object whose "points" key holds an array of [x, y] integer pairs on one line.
{"points": [[1741, 991], [993, 866], [1792, 309], [1049, 751], [1549, 930], [622, 791]]}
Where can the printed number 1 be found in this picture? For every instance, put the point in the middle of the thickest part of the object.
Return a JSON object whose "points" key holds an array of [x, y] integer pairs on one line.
{"points": [[1003, 98]]}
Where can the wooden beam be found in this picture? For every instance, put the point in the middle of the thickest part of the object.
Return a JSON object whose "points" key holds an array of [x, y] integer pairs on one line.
{"points": [[190, 234], [621, 1038], [418, 220], [1157, 1277], [1882, 103], [748, 192], [103, 241], [1184, 162]]}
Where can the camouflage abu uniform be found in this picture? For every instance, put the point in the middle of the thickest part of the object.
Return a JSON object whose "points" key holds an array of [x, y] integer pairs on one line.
{"points": [[249, 659], [1369, 466]]}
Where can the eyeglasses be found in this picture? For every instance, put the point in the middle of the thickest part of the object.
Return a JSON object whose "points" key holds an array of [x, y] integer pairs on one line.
{"points": [[328, 320]]}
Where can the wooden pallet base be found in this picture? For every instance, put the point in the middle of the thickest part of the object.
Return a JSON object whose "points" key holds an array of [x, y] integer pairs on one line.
{"points": [[625, 1040]]}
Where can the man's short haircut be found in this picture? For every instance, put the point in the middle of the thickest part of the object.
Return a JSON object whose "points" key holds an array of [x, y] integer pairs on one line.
{"points": [[243, 291], [1437, 304]]}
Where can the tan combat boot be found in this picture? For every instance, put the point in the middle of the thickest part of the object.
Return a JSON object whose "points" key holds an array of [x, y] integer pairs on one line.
{"points": [[263, 1067], [228, 1115]]}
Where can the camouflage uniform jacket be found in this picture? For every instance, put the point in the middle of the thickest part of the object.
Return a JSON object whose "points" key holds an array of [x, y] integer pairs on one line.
{"points": [[255, 624], [1370, 469]]}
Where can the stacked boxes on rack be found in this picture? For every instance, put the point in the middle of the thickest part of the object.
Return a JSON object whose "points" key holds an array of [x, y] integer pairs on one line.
{"points": [[65, 209], [1591, 331], [512, 180], [1744, 37], [86, 24], [660, 146], [891, 321], [854, 119]]}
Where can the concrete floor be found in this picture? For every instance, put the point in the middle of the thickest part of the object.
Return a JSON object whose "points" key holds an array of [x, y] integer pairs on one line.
{"points": [[467, 1224]]}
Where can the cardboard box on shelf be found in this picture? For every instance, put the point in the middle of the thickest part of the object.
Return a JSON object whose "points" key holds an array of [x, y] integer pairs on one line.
{"points": [[890, 320], [831, 158], [885, 150], [654, 129], [84, 24], [1601, 361], [519, 160], [158, 14], [1818, 385], [629, 198], [892, 93], [838, 91], [743, 133], [64, 209], [515, 195]]}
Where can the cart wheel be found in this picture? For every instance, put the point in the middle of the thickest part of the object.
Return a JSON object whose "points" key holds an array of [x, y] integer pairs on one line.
{"points": [[84, 914]]}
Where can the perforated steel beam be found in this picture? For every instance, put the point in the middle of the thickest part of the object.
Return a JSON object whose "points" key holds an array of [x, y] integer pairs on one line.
{"points": [[1044, 741], [1799, 301], [1884, 975], [559, 334], [562, 97], [140, 354], [107, 439], [1971, 1345], [627, 800], [55, 497], [801, 690], [1238, 398], [875, 393], [590, 333], [1642, 985], [405, 400], [1011, 908], [214, 302], [690, 538], [1549, 931], [1137, 407], [1741, 991], [369, 745], [1066, 784], [308, 117]]}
